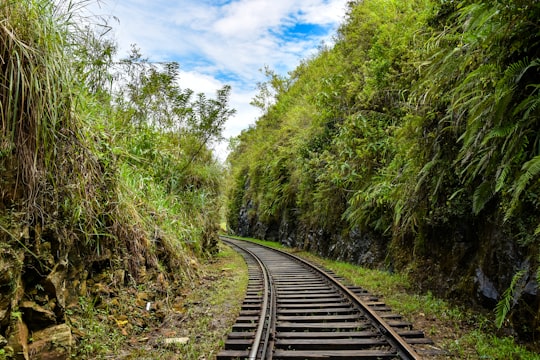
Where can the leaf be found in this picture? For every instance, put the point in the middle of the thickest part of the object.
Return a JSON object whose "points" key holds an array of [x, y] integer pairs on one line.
{"points": [[456, 193], [501, 132], [482, 195], [502, 174], [121, 323], [509, 299], [531, 169]]}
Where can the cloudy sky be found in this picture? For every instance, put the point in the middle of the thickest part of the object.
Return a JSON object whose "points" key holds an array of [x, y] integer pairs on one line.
{"points": [[218, 42]]}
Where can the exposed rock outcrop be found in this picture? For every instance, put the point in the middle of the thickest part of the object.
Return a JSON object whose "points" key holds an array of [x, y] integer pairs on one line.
{"points": [[469, 262], [52, 343]]}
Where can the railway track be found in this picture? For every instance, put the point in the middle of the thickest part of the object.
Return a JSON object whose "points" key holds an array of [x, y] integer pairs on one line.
{"points": [[295, 310]]}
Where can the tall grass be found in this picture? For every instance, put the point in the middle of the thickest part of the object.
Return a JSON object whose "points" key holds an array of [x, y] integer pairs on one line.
{"points": [[70, 175], [59, 176], [35, 94]]}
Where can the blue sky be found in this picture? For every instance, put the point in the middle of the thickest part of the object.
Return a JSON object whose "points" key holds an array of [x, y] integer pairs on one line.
{"points": [[218, 42]]}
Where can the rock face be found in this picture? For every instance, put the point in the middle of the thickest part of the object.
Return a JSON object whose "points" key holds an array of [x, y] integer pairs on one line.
{"points": [[52, 343], [351, 245], [55, 282], [38, 316], [32, 304], [485, 289], [17, 342], [471, 261]]}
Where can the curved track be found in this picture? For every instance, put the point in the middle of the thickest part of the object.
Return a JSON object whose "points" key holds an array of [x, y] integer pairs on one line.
{"points": [[294, 310]]}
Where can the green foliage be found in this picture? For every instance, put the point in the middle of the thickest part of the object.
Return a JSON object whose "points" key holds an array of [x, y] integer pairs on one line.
{"points": [[509, 298], [483, 98], [151, 96], [94, 166], [422, 118], [36, 91], [166, 161], [102, 338], [52, 180], [331, 131], [494, 347]]}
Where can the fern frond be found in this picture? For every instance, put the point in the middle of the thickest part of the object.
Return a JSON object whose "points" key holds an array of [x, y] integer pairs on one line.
{"points": [[502, 174], [481, 196], [535, 62], [531, 168], [483, 163], [456, 193], [426, 173], [530, 104], [500, 132], [509, 299], [514, 72]]}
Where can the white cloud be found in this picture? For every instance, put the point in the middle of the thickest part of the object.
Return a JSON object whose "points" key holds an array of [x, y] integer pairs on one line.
{"points": [[218, 42], [251, 18], [245, 116], [199, 82], [324, 13]]}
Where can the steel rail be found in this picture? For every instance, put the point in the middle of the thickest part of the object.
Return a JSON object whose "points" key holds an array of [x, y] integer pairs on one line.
{"points": [[405, 351], [266, 309]]}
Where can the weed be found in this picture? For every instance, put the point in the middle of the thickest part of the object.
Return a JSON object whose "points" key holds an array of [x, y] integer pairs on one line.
{"points": [[100, 338], [489, 346]]}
